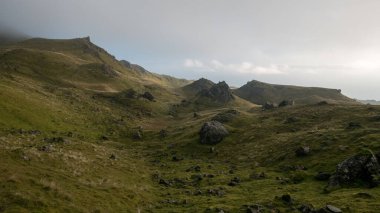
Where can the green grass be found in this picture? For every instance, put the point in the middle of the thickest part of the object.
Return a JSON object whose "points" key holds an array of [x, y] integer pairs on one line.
{"points": [[67, 97]]}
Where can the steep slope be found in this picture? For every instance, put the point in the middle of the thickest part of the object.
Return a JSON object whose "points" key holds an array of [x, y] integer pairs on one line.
{"points": [[260, 93]]}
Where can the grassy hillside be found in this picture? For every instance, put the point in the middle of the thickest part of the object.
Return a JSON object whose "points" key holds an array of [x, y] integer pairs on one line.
{"points": [[77, 134], [260, 93]]}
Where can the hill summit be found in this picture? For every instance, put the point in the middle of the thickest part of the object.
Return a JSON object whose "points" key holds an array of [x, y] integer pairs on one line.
{"points": [[219, 92]]}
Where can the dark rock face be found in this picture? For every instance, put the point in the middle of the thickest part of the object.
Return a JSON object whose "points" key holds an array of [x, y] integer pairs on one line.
{"points": [[212, 132], [285, 103], [302, 151], [359, 167], [148, 96], [219, 92], [226, 116], [268, 106], [354, 125]]}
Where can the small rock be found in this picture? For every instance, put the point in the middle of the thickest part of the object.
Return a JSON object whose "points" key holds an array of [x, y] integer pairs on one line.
{"points": [[163, 133], [137, 135], [286, 198], [148, 96], [212, 149], [354, 125], [333, 209], [302, 151], [234, 182], [322, 176], [164, 182], [305, 208], [103, 137], [285, 103], [113, 157]]}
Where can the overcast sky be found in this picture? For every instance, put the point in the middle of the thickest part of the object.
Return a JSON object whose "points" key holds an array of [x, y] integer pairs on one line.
{"points": [[326, 43]]}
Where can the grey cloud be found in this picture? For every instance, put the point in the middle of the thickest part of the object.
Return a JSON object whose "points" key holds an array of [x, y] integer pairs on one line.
{"points": [[322, 41]]}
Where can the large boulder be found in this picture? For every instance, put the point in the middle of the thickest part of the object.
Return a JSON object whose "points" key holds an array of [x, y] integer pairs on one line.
{"points": [[357, 168], [212, 132]]}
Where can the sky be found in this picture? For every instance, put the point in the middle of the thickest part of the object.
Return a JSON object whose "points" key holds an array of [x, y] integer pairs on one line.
{"points": [[324, 43]]}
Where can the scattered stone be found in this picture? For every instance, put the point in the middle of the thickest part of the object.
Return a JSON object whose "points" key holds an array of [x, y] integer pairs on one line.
{"points": [[176, 158], [290, 120], [354, 125], [286, 198], [137, 135], [333, 209], [305, 208], [254, 208], [268, 106], [55, 140], [257, 176], [322, 176], [235, 181], [163, 133], [212, 149], [148, 96], [103, 137], [194, 168], [198, 192], [196, 177], [212, 132], [47, 148], [113, 157], [164, 182], [285, 103], [302, 151], [359, 167]]}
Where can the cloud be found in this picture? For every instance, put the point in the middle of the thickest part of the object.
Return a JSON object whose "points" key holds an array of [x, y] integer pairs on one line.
{"points": [[192, 63], [242, 68]]}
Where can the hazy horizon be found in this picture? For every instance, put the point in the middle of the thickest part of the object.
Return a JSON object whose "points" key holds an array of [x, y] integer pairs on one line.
{"points": [[333, 44]]}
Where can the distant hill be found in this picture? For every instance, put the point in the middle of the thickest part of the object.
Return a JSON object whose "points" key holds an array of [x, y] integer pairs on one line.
{"points": [[259, 93], [371, 102], [8, 36]]}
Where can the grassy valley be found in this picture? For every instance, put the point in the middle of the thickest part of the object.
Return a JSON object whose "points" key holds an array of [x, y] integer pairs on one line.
{"points": [[81, 131]]}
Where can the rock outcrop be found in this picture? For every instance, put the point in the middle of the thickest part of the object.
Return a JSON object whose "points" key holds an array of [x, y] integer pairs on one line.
{"points": [[219, 92], [212, 132], [353, 169]]}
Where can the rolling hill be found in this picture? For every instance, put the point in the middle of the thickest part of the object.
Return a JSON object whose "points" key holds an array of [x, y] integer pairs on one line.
{"points": [[81, 131], [259, 93]]}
